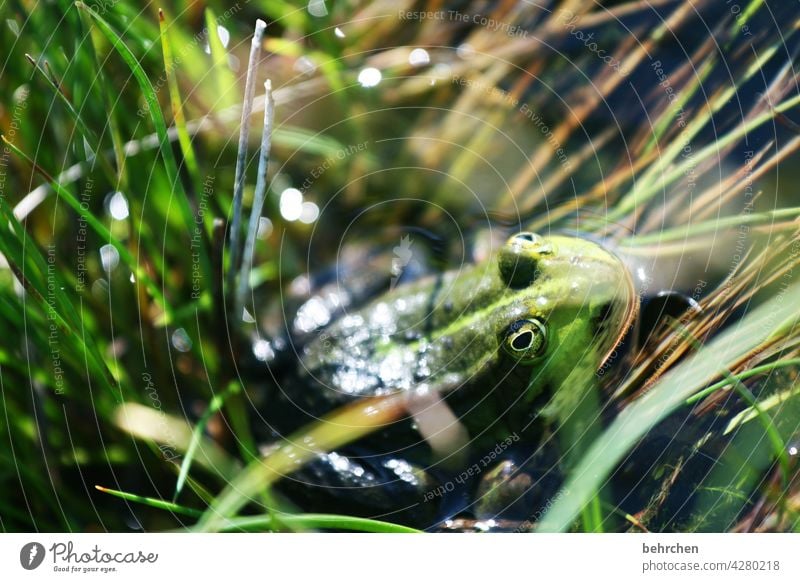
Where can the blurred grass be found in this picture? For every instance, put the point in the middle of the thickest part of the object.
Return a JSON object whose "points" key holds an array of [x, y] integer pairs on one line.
{"points": [[136, 104]]}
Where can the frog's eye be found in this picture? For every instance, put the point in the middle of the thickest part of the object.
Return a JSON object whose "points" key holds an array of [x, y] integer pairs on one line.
{"points": [[525, 339]]}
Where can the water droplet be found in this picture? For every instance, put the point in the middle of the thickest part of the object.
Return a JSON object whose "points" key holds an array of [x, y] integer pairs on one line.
{"points": [[317, 8], [21, 94], [264, 227], [181, 340], [109, 257], [338, 32], [309, 213], [12, 24], [419, 57], [291, 204], [87, 149], [247, 316], [369, 77], [224, 35], [301, 285], [312, 315], [118, 206], [263, 351], [132, 278]]}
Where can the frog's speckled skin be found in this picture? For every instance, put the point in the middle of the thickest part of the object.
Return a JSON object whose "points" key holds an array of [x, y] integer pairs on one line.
{"points": [[446, 331]]}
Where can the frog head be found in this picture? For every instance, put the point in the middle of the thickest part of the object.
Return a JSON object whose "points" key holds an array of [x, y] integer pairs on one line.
{"points": [[548, 302], [561, 290]]}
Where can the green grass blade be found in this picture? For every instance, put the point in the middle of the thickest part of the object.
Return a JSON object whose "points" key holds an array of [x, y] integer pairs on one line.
{"points": [[667, 119], [226, 82], [315, 521], [744, 17], [166, 430], [743, 376], [197, 434], [30, 267], [152, 502], [113, 124], [637, 198], [766, 405], [308, 142], [739, 471], [770, 429], [184, 140], [271, 523], [688, 231]]}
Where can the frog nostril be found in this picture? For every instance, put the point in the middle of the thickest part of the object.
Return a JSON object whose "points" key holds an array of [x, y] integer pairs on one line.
{"points": [[528, 237], [519, 258]]}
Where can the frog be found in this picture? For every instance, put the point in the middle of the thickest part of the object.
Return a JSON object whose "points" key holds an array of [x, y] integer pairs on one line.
{"points": [[503, 347]]}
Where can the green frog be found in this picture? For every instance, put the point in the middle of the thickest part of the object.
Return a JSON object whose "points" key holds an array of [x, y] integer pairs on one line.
{"points": [[555, 306], [479, 355]]}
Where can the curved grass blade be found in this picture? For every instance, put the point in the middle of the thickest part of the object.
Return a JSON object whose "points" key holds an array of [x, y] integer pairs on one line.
{"points": [[40, 281], [769, 404], [774, 436], [713, 226], [227, 94], [176, 434], [340, 427], [152, 502], [272, 523], [109, 100], [743, 376], [197, 434], [268, 522], [303, 521], [175, 101]]}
